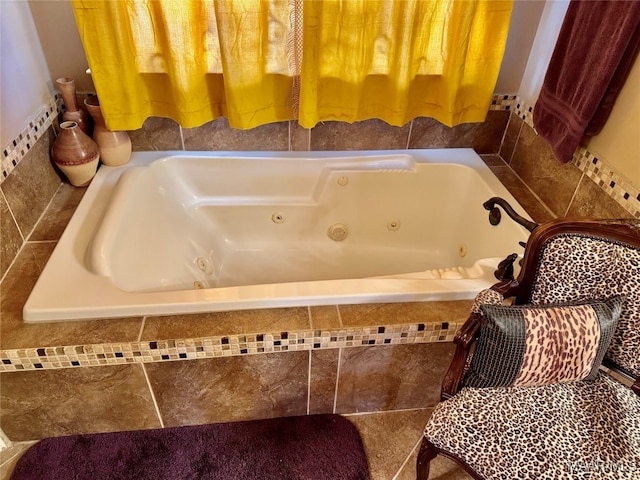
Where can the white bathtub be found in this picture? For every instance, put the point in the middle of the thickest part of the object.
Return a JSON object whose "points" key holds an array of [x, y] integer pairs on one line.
{"points": [[186, 232]]}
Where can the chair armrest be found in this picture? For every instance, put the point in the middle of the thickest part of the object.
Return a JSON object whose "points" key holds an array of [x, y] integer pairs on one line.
{"points": [[467, 334], [636, 386]]}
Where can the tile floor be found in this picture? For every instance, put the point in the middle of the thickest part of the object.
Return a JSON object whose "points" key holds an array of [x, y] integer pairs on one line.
{"points": [[391, 441]]}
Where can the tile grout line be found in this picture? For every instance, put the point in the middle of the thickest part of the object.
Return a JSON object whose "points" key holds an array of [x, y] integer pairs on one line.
{"points": [[409, 134], [4, 444], [382, 412], [141, 329], [339, 317], [504, 134], [406, 460], [14, 217], [335, 394], [309, 385], [153, 396], [535, 195], [25, 240], [310, 356], [515, 143], [575, 193], [8, 460], [13, 262], [23, 243], [181, 137]]}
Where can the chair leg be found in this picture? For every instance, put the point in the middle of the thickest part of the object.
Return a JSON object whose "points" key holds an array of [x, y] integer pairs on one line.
{"points": [[427, 453]]}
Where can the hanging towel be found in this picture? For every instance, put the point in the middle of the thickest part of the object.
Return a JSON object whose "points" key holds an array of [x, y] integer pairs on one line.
{"points": [[596, 48]]}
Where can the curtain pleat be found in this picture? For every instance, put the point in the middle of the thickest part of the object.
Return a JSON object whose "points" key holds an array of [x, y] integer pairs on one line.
{"points": [[263, 61]]}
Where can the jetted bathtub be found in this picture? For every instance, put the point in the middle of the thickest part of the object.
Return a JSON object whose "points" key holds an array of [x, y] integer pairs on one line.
{"points": [[186, 232]]}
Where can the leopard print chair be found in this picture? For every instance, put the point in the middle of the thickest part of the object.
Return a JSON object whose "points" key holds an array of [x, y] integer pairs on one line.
{"points": [[515, 407]]}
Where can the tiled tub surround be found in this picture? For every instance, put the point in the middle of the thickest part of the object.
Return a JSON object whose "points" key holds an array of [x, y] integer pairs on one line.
{"points": [[310, 367], [399, 362], [134, 386]]}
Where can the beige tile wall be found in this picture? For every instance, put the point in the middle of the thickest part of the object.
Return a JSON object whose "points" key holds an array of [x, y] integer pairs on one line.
{"points": [[564, 189], [38, 404]]}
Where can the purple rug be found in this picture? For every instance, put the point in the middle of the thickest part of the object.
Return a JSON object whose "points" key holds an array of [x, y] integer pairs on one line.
{"points": [[322, 447]]}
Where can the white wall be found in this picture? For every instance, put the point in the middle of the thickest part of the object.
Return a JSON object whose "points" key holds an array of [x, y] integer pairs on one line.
{"points": [[25, 83], [525, 17], [542, 49], [63, 51]]}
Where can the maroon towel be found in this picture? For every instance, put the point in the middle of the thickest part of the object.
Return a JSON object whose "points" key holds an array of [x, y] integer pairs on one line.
{"points": [[596, 48]]}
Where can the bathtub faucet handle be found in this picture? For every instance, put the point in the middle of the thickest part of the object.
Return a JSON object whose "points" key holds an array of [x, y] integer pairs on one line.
{"points": [[505, 268], [495, 215]]}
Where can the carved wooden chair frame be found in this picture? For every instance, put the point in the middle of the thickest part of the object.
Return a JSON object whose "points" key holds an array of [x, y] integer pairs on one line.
{"points": [[626, 232]]}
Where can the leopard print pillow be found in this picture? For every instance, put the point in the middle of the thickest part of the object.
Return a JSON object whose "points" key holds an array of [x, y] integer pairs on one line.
{"points": [[535, 345], [575, 267]]}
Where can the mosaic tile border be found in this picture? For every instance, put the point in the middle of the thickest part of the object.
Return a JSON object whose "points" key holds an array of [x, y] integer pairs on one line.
{"points": [[503, 102], [26, 139], [602, 174], [617, 187], [50, 358], [524, 111]]}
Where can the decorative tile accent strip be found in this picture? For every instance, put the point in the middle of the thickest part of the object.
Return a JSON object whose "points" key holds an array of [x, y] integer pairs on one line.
{"points": [[20, 146], [514, 104], [503, 102], [613, 184], [525, 112], [617, 187], [48, 358]]}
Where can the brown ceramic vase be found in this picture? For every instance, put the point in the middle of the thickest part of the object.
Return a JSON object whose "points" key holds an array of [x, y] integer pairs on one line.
{"points": [[72, 112], [76, 154], [115, 146]]}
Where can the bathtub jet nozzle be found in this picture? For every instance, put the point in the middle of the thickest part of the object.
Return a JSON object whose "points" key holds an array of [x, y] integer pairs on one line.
{"points": [[338, 232]]}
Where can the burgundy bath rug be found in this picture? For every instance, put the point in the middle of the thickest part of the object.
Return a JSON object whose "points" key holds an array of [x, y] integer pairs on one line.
{"points": [[310, 447]]}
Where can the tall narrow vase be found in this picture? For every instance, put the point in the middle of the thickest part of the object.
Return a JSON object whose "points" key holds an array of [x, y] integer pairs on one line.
{"points": [[76, 154], [72, 112], [115, 147]]}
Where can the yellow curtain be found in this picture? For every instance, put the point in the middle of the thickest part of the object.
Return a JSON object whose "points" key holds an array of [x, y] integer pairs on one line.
{"points": [[263, 61], [398, 60]]}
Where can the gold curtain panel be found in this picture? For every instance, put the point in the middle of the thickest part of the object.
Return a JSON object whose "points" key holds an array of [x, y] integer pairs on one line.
{"points": [[257, 62]]}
